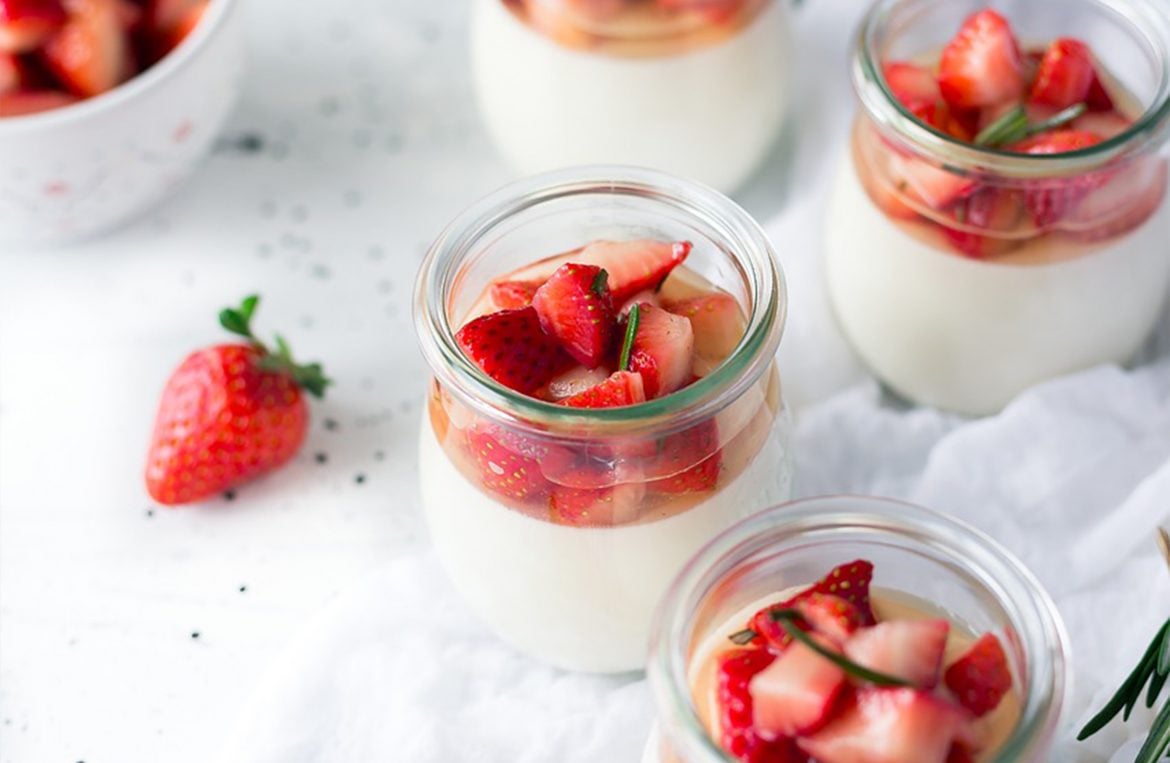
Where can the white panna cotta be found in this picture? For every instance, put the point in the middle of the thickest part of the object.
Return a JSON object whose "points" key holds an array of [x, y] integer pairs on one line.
{"points": [[968, 335], [709, 109]]}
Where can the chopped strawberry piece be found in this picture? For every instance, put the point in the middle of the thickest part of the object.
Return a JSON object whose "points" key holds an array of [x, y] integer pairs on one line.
{"points": [[187, 24], [888, 726], [737, 734], [513, 295], [1123, 203], [89, 53], [916, 88], [1050, 201], [937, 187], [849, 582], [576, 307], [573, 382], [982, 65], [663, 350], [11, 73], [960, 754], [33, 102], [908, 649], [690, 460], [1098, 98], [824, 614], [996, 211], [26, 24], [646, 296], [1065, 74], [717, 323], [508, 464], [622, 388], [795, 695], [634, 266], [981, 677], [1104, 124], [511, 348]]}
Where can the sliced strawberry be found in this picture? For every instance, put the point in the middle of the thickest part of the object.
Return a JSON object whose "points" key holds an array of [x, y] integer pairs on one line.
{"points": [[849, 582], [916, 88], [995, 210], [981, 677], [647, 296], [830, 616], [690, 460], [795, 695], [908, 649], [511, 348], [165, 16], [960, 754], [663, 350], [1124, 202], [622, 388], [634, 266], [1050, 201], [513, 295], [982, 65], [573, 382], [737, 734], [717, 323], [89, 53], [33, 102], [1098, 98], [508, 465], [935, 186], [576, 307], [26, 24], [1064, 75], [1104, 124], [188, 23], [888, 726], [11, 73]]}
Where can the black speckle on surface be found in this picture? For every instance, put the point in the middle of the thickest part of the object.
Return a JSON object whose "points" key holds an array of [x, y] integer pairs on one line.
{"points": [[299, 213], [149, 513], [375, 252], [392, 143], [359, 479], [279, 151], [352, 198], [243, 589], [362, 138], [194, 635], [379, 455], [385, 286], [251, 143], [329, 106], [268, 208], [320, 271], [263, 251], [321, 458], [331, 425], [229, 495], [405, 406]]}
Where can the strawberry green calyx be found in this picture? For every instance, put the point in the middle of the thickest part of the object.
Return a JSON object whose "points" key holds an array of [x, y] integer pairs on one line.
{"points": [[309, 377], [599, 285]]}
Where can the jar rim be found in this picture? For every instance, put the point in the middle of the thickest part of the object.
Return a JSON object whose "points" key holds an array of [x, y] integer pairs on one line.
{"points": [[1145, 17], [747, 242], [1044, 641]]}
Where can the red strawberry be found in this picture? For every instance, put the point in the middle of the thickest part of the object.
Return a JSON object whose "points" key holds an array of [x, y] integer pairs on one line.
{"points": [[622, 388], [846, 581], [937, 187], [11, 73], [511, 348], [33, 102], [717, 323], [508, 465], [1065, 74], [229, 414], [690, 460], [579, 503], [26, 24], [1050, 201], [187, 24], [575, 306], [994, 210], [960, 754], [916, 88], [634, 266], [89, 53], [513, 295], [908, 649], [981, 677], [795, 695], [830, 616], [1098, 98], [663, 350], [982, 65], [165, 16], [888, 726], [738, 737], [1124, 202]]}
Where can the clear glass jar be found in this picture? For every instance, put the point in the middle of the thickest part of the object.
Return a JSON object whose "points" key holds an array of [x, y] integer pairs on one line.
{"points": [[963, 275], [924, 555], [697, 88], [580, 595]]}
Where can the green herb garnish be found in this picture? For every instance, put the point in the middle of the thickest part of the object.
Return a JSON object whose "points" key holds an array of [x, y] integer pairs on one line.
{"points": [[599, 282], [628, 342], [788, 619], [1013, 126]]}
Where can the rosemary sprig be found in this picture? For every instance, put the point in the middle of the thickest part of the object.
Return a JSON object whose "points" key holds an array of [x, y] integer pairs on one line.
{"points": [[628, 342], [788, 619], [1013, 126]]}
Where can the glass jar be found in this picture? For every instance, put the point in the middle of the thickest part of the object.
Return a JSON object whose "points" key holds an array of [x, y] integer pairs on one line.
{"points": [[693, 87], [579, 592], [963, 275], [927, 557]]}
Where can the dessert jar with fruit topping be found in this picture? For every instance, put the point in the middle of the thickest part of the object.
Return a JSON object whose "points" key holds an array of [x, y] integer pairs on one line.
{"points": [[992, 691], [693, 87], [999, 217], [561, 526]]}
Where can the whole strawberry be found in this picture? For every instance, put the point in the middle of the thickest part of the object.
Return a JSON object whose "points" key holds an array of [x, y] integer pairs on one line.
{"points": [[228, 414]]}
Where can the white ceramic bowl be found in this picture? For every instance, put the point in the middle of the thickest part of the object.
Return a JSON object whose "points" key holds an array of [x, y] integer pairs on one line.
{"points": [[82, 169]]}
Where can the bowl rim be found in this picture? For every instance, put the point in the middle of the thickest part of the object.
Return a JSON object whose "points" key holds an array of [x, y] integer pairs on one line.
{"points": [[218, 11]]}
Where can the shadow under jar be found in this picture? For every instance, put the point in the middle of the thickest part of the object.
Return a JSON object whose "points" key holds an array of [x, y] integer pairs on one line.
{"points": [[923, 563], [578, 591], [697, 88], [963, 274]]}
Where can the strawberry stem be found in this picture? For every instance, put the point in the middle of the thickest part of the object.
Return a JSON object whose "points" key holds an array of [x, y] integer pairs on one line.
{"points": [[309, 377], [788, 619], [743, 637], [628, 342], [599, 282]]}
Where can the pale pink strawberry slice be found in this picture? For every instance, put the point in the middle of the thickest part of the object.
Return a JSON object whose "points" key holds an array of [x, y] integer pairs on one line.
{"points": [[980, 678], [1050, 201], [795, 695], [620, 389], [589, 500], [573, 382], [1124, 202], [511, 347], [576, 307], [88, 55], [26, 102], [982, 65], [26, 24], [737, 733], [647, 296], [663, 350], [937, 187], [1104, 124], [888, 726], [717, 323], [1065, 74], [513, 295], [908, 649], [690, 461], [512, 475], [997, 211], [634, 266]]}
